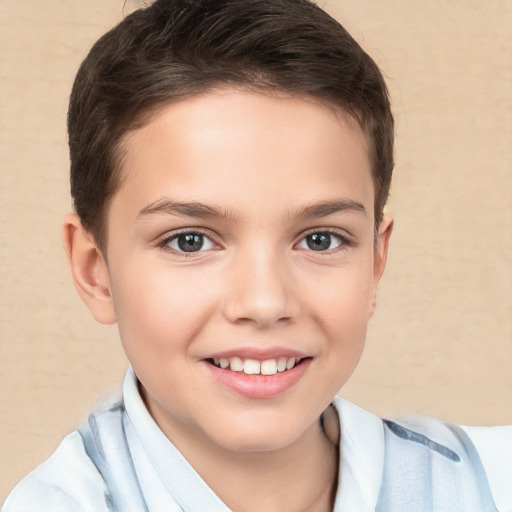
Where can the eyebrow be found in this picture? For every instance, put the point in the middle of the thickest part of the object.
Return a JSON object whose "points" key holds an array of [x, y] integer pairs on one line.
{"points": [[325, 208], [200, 210], [187, 209]]}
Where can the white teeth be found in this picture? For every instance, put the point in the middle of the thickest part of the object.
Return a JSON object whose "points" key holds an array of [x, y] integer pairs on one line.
{"points": [[269, 367], [236, 364], [251, 367], [255, 367], [281, 364]]}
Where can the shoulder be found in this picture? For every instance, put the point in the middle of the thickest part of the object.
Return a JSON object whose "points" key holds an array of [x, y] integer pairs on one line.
{"points": [[494, 445], [67, 482], [486, 452], [377, 449]]}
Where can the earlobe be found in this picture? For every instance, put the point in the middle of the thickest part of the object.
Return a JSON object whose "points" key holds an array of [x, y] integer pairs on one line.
{"points": [[89, 269], [380, 257]]}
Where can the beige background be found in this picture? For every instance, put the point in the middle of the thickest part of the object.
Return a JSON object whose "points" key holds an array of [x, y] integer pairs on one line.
{"points": [[441, 341]]}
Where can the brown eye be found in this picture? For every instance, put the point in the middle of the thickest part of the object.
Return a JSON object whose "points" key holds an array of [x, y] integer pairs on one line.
{"points": [[189, 242]]}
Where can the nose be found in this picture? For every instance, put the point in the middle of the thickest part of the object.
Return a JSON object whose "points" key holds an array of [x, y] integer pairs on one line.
{"points": [[260, 290]]}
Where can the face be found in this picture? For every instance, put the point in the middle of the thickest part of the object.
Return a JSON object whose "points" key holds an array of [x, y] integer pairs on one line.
{"points": [[242, 264]]}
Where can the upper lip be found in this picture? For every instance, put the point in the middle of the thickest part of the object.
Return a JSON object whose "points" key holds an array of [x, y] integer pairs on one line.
{"points": [[259, 354]]}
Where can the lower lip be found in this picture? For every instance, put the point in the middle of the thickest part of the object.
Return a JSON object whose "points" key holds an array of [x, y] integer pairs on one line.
{"points": [[258, 386]]}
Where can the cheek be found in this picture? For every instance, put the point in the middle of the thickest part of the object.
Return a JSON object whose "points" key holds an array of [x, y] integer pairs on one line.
{"points": [[341, 300], [341, 309], [160, 311]]}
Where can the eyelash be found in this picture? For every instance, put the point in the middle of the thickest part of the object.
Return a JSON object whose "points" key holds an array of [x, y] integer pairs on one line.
{"points": [[164, 244], [344, 241]]}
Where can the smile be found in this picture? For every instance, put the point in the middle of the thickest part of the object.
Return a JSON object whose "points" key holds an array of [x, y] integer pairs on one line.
{"points": [[257, 375], [255, 367]]}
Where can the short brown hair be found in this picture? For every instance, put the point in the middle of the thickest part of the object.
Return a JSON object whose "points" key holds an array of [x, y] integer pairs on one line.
{"points": [[176, 48]]}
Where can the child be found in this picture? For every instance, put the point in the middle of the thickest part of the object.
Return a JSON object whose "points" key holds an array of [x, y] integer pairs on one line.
{"points": [[230, 162]]}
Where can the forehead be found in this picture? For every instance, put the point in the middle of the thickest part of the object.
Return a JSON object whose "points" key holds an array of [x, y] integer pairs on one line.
{"points": [[230, 144]]}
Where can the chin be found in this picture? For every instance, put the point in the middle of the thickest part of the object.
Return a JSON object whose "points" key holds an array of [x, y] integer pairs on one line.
{"points": [[257, 436], [264, 444]]}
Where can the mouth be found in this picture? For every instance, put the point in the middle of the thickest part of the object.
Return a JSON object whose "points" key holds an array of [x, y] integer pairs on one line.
{"points": [[250, 366], [257, 378]]}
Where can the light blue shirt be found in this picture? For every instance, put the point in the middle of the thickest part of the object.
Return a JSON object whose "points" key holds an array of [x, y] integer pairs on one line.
{"points": [[70, 481]]}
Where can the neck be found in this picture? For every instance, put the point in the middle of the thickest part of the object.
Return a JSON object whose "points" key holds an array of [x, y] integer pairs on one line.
{"points": [[299, 477]]}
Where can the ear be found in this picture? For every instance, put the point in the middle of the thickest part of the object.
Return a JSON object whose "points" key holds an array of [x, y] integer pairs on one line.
{"points": [[89, 269], [380, 257]]}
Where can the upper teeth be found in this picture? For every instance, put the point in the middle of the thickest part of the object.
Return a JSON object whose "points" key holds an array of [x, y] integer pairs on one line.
{"points": [[255, 367]]}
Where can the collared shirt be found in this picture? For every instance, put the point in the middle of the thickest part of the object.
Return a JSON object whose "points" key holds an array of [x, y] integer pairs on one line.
{"points": [[69, 481]]}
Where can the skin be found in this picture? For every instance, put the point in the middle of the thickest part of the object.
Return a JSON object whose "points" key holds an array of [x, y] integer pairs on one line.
{"points": [[274, 169]]}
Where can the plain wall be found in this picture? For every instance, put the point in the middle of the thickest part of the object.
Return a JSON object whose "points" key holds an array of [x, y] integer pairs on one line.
{"points": [[440, 342]]}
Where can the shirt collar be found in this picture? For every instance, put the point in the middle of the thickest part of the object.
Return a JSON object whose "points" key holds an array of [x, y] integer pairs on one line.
{"points": [[188, 489], [361, 458]]}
